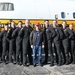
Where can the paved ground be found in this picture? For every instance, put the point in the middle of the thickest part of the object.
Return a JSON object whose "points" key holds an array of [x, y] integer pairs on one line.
{"points": [[62, 70], [11, 69]]}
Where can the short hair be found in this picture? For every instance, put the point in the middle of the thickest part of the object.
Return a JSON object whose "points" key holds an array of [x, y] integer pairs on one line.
{"points": [[71, 24], [12, 21], [46, 20], [55, 20], [65, 22], [21, 22], [6, 25]]}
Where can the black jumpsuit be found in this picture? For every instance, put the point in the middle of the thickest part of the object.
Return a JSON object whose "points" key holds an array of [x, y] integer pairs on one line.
{"points": [[12, 45], [57, 46], [15, 34], [26, 44], [49, 35], [5, 45], [65, 42]]}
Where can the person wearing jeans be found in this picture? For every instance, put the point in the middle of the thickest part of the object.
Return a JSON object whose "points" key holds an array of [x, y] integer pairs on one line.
{"points": [[37, 43], [37, 49]]}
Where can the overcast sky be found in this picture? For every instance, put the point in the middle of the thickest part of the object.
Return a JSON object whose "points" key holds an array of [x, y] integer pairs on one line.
{"points": [[39, 9]]}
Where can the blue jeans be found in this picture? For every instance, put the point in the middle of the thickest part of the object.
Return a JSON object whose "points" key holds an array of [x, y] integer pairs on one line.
{"points": [[37, 50]]}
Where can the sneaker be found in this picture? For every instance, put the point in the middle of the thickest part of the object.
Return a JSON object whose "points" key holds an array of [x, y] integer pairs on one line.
{"points": [[34, 65], [51, 65]]}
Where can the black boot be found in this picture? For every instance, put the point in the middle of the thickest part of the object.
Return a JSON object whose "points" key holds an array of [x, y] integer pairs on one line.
{"points": [[52, 63], [73, 59], [59, 64], [59, 60], [67, 59]]}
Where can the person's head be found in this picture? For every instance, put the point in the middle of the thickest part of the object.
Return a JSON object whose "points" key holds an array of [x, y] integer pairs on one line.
{"points": [[6, 27], [54, 23], [37, 25], [46, 22], [70, 26], [27, 22], [64, 24], [20, 24], [13, 24]]}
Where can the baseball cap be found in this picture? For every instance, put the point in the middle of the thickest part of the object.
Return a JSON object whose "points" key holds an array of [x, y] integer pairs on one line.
{"points": [[37, 24]]}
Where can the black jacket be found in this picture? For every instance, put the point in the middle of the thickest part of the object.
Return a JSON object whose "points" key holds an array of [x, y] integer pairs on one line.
{"points": [[33, 38], [25, 32], [3, 36], [9, 34], [59, 34], [15, 35], [73, 34], [67, 33], [49, 33]]}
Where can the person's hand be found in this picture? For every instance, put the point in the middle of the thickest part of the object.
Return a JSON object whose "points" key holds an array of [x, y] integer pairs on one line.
{"points": [[21, 28], [43, 46], [8, 30], [31, 46]]}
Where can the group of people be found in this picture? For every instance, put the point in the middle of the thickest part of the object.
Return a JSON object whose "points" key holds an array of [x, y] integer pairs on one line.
{"points": [[22, 43]]}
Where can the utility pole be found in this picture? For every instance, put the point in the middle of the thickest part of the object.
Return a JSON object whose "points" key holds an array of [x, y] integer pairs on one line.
{"points": [[56, 18]]}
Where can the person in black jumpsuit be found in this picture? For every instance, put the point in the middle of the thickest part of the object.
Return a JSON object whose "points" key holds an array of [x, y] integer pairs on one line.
{"points": [[0, 48], [26, 42], [72, 44], [12, 44], [5, 44], [57, 42], [49, 35], [65, 42], [15, 34]]}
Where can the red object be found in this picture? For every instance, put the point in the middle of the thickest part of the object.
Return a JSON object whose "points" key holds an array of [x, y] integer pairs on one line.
{"points": [[37, 24]]}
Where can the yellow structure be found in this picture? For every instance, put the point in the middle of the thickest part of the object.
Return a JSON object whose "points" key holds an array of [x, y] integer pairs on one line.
{"points": [[3, 22]]}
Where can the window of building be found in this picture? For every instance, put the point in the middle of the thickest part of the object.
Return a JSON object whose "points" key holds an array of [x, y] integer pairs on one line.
{"points": [[74, 15], [6, 6], [63, 14]]}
